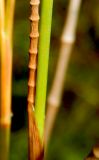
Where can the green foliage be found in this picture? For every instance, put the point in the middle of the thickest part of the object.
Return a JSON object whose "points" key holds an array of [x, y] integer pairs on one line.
{"points": [[19, 147]]}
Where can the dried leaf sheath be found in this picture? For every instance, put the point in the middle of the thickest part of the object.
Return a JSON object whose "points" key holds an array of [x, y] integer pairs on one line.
{"points": [[36, 151], [35, 146]]}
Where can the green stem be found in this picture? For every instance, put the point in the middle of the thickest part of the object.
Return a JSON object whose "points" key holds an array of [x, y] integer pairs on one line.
{"points": [[43, 57], [4, 142]]}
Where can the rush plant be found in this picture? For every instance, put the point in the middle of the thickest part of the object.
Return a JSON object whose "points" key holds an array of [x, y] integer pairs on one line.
{"points": [[40, 24], [37, 85]]}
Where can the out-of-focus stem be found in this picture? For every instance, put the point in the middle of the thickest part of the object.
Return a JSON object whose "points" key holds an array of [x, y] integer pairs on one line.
{"points": [[1, 19], [9, 15], [4, 117], [67, 40], [4, 142], [9, 19], [6, 74], [6, 66]]}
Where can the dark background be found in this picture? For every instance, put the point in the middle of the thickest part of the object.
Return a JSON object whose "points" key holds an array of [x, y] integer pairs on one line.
{"points": [[76, 129]]}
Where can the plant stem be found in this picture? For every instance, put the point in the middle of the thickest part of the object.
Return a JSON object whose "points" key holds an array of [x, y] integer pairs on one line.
{"points": [[4, 142], [9, 15], [1, 18], [4, 130], [67, 40], [6, 69], [35, 151], [6, 74], [43, 57]]}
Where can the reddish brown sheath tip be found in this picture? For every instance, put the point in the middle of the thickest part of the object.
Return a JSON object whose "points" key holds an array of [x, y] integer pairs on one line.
{"points": [[36, 151]]}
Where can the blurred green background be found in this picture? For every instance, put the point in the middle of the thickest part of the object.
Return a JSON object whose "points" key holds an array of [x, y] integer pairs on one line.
{"points": [[76, 129]]}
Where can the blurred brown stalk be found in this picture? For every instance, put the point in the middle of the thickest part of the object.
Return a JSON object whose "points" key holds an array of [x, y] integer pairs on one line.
{"points": [[6, 30]]}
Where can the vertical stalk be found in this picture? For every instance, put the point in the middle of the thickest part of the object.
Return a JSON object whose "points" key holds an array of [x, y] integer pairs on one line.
{"points": [[43, 57], [4, 120], [9, 15], [36, 111], [4, 142], [6, 68], [67, 41], [6, 74], [1, 18], [35, 151], [9, 19]]}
